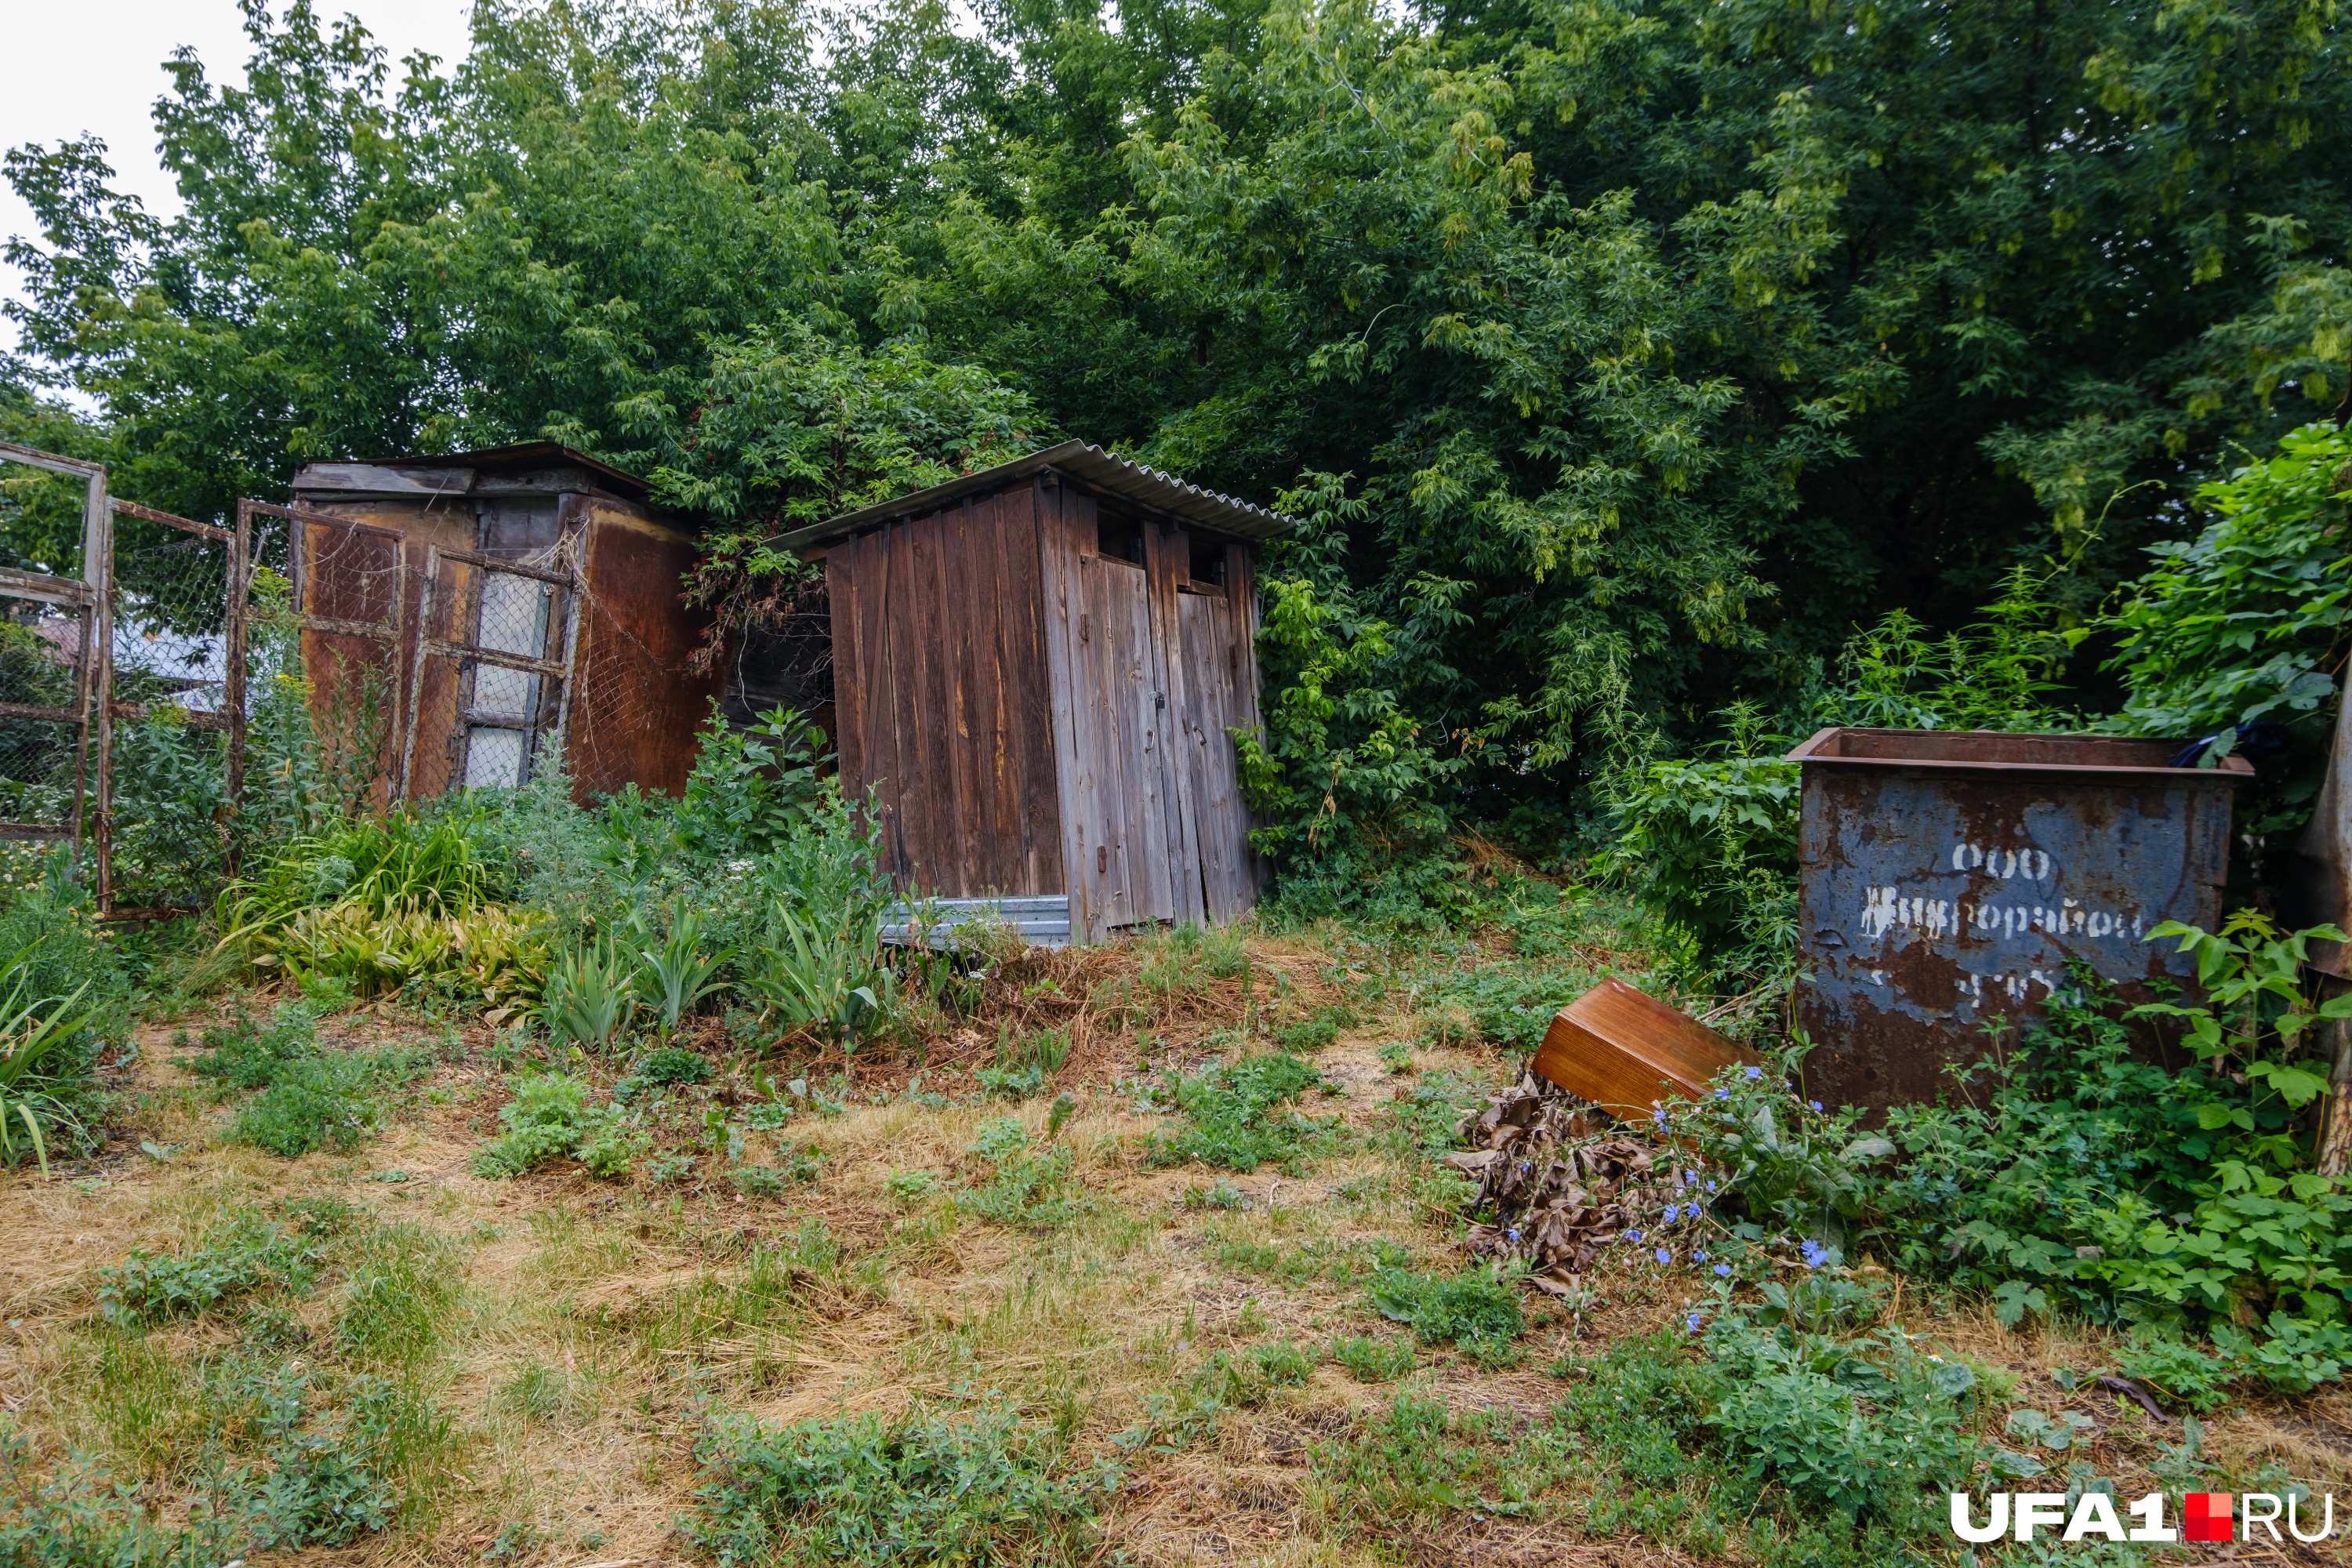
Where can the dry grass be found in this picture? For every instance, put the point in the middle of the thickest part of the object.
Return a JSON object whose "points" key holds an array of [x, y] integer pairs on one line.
{"points": [[589, 1326]]}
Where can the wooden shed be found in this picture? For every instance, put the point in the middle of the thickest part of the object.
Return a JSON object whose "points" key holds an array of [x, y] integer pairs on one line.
{"points": [[481, 604], [1036, 671]]}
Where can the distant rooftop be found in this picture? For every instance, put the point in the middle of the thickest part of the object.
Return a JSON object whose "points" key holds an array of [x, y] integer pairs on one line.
{"points": [[462, 473], [1091, 465]]}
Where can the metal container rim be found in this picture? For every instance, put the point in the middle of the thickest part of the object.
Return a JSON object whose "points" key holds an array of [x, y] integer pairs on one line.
{"points": [[1822, 749]]}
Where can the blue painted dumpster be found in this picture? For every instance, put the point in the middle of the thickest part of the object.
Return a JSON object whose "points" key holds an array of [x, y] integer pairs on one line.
{"points": [[1946, 877]]}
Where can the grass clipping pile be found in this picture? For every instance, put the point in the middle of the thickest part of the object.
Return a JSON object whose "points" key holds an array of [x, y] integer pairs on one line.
{"points": [[1560, 1181]]}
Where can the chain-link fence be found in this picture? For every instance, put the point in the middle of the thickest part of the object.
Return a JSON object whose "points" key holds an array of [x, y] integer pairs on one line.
{"points": [[211, 687], [166, 790]]}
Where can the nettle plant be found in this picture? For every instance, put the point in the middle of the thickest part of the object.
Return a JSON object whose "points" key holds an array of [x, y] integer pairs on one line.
{"points": [[2258, 1016]]}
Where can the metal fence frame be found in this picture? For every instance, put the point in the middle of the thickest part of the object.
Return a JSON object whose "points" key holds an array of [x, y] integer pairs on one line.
{"points": [[93, 688], [95, 708]]}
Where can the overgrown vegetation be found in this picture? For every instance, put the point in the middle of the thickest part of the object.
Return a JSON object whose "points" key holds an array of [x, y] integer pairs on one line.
{"points": [[1606, 487]]}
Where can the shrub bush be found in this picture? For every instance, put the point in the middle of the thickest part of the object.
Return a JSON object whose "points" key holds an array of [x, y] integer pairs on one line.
{"points": [[1859, 1425]]}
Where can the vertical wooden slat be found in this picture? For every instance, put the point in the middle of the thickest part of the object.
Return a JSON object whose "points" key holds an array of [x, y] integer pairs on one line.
{"points": [[1025, 715], [911, 706], [995, 827], [1142, 819], [1205, 625], [955, 610], [1059, 593], [884, 552], [1168, 554], [848, 709], [1104, 630]]}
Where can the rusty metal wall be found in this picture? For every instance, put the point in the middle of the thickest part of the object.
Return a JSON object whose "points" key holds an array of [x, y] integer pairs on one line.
{"points": [[1945, 878], [639, 705]]}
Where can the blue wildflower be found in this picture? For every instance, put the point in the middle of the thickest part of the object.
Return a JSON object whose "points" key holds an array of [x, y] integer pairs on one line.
{"points": [[1664, 1256], [1699, 1256], [1814, 1254], [1723, 1094], [1723, 1271], [1710, 1187], [1632, 1236], [1691, 1322], [1755, 1073], [1513, 1234], [1812, 1105]]}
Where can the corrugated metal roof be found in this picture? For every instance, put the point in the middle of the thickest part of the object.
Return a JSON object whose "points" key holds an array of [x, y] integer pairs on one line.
{"points": [[1091, 465], [530, 455]]}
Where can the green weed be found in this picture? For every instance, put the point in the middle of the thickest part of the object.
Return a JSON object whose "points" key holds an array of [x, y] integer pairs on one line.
{"points": [[550, 1119], [1241, 1115], [1370, 1360], [1029, 1189], [1418, 1459], [308, 1099], [984, 1488], [1284, 1362], [402, 1281], [1477, 1308], [246, 1255]]}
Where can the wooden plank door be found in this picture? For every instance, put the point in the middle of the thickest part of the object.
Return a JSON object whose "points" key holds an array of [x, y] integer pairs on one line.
{"points": [[1110, 686], [1213, 648]]}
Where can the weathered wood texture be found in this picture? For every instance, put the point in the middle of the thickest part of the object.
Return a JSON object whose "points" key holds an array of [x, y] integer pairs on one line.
{"points": [[1032, 717], [942, 697], [1220, 696]]}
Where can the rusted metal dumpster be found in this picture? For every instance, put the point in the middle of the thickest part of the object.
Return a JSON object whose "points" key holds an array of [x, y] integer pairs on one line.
{"points": [[1946, 877]]}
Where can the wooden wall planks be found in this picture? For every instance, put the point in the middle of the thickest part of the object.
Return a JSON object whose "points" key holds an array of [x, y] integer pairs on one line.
{"points": [[944, 697], [1212, 707], [1036, 720]]}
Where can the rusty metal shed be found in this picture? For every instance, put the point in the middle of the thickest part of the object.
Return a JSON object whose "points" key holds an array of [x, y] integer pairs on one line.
{"points": [[485, 603], [1035, 669], [1947, 878]]}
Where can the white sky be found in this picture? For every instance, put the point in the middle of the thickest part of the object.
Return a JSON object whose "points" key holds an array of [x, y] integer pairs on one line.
{"points": [[68, 67]]}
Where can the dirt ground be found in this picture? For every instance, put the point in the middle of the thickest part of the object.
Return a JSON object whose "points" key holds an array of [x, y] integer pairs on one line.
{"points": [[588, 1330]]}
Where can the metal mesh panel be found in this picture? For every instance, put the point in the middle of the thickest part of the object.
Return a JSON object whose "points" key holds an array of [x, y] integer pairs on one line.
{"points": [[42, 669], [47, 644], [350, 603], [167, 794]]}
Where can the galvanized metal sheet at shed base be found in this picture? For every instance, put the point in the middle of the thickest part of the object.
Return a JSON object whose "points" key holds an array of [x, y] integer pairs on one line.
{"points": [[1946, 877]]}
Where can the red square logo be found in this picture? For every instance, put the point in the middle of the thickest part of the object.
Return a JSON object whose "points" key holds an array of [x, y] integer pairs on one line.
{"points": [[2207, 1515]]}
